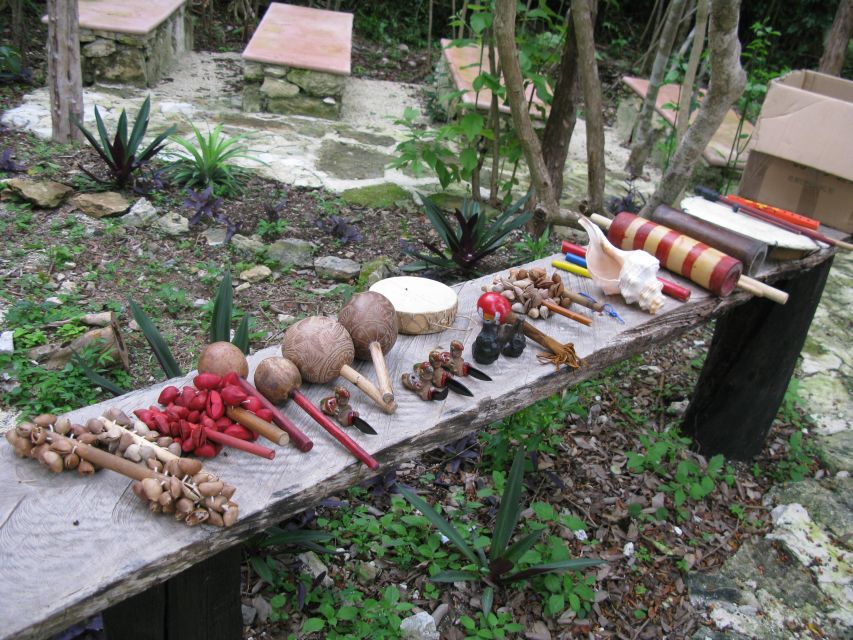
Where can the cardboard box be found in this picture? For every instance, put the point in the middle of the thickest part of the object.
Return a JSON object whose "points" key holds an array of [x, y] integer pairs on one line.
{"points": [[802, 155]]}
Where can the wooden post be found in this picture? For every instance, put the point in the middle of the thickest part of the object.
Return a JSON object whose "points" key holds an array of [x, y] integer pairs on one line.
{"points": [[63, 63], [749, 366], [202, 603]]}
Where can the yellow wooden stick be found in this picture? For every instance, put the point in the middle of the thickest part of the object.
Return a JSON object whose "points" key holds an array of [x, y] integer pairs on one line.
{"points": [[571, 268]]}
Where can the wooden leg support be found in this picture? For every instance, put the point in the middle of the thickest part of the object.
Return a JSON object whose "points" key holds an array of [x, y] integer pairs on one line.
{"points": [[749, 366], [202, 603]]}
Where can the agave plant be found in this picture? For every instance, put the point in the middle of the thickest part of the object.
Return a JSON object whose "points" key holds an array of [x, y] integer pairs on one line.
{"points": [[501, 566], [122, 156], [209, 161], [471, 239]]}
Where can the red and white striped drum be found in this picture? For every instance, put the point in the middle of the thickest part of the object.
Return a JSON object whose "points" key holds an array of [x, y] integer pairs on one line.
{"points": [[704, 265]]}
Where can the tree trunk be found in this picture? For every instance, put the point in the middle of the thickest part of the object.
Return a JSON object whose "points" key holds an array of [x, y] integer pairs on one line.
{"points": [[561, 120], [684, 100], [63, 55], [836, 42], [504, 26], [642, 138], [728, 80], [583, 12], [19, 29]]}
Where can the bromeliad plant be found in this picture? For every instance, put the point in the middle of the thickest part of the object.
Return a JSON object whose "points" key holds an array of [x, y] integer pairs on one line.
{"points": [[122, 156], [209, 161], [472, 239], [501, 566]]}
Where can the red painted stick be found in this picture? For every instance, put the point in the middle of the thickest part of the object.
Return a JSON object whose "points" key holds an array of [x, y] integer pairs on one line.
{"points": [[299, 439], [333, 429], [670, 288], [249, 447]]}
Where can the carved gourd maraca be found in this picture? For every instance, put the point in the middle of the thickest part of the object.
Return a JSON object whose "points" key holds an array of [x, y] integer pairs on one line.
{"points": [[372, 323], [322, 349]]}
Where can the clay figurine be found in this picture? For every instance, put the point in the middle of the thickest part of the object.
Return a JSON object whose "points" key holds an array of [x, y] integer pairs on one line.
{"points": [[339, 408], [457, 364], [515, 341], [486, 347], [421, 383], [441, 377]]}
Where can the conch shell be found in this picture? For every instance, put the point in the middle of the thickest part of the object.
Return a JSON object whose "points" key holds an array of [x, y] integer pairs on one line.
{"points": [[633, 274]]}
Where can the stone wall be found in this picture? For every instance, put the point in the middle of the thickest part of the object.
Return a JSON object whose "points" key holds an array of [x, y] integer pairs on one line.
{"points": [[140, 60], [279, 89]]}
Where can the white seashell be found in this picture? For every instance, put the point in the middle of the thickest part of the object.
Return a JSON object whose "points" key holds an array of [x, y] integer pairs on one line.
{"points": [[633, 274]]}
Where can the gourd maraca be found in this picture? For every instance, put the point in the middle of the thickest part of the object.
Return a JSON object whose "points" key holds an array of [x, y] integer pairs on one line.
{"points": [[371, 321]]}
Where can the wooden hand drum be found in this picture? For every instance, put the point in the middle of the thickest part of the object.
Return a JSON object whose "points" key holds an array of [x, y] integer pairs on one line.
{"points": [[322, 349], [371, 321]]}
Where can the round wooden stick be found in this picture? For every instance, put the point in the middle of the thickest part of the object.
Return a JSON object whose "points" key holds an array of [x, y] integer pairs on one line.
{"points": [[381, 372], [368, 388], [257, 425], [581, 300], [571, 315], [106, 460], [162, 454], [299, 439], [248, 447], [762, 290]]}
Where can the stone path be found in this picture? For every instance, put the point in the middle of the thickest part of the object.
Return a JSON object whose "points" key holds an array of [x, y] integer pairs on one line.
{"points": [[794, 583]]}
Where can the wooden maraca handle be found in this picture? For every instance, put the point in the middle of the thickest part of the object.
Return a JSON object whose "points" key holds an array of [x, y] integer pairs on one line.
{"points": [[381, 372], [368, 388], [257, 425]]}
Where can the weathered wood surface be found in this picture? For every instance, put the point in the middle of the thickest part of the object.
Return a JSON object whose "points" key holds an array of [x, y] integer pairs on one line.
{"points": [[72, 546]]}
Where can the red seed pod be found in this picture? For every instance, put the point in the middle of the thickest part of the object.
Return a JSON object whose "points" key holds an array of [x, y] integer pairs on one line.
{"points": [[198, 436], [206, 450], [168, 395], [162, 422], [215, 408], [232, 395], [253, 404], [231, 378], [239, 431], [207, 381], [187, 395], [207, 422], [177, 411], [222, 422], [184, 429], [264, 414], [147, 417], [186, 445], [193, 416], [199, 402]]}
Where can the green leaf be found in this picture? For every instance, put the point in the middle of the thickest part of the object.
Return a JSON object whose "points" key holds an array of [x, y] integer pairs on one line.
{"points": [[468, 158], [450, 531], [455, 576], [715, 464], [480, 22], [347, 613], [471, 125], [517, 550], [95, 377], [556, 604], [241, 336], [487, 599], [559, 565], [313, 624], [220, 324], [510, 507], [155, 340], [262, 569]]}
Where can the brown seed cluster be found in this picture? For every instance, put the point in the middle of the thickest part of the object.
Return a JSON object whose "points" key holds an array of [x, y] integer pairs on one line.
{"points": [[167, 483], [528, 290]]}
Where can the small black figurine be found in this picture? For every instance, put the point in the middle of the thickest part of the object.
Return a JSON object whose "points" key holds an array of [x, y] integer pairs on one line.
{"points": [[516, 341], [486, 348]]}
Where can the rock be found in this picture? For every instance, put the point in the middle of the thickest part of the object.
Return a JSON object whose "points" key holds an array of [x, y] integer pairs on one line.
{"points": [[304, 105], [67, 287], [249, 614], [350, 161], [263, 608], [246, 243], [292, 251], [141, 214], [242, 287], [317, 83], [315, 567], [376, 270], [173, 224], [54, 301], [366, 573], [99, 48], [376, 196], [403, 48], [101, 205], [439, 613], [276, 70], [539, 631], [678, 408], [251, 98], [420, 626], [215, 236], [275, 88], [7, 342], [252, 71], [256, 274], [43, 194], [198, 303], [829, 502], [338, 269], [837, 450]]}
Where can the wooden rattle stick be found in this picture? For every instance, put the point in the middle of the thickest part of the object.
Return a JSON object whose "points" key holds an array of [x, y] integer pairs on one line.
{"points": [[371, 321], [278, 379], [571, 315], [322, 349], [258, 425], [299, 439], [230, 441]]}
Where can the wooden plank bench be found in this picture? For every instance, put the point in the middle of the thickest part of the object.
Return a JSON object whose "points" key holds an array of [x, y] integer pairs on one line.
{"points": [[719, 149], [297, 61], [132, 41], [73, 546]]}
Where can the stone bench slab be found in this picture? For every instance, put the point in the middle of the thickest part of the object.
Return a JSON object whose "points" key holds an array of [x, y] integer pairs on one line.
{"points": [[303, 38], [136, 17]]}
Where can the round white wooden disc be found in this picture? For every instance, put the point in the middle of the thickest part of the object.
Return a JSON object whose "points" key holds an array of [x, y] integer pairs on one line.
{"points": [[422, 305]]}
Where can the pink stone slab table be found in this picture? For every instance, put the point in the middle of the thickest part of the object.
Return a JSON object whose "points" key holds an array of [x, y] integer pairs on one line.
{"points": [[137, 17], [303, 38]]}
